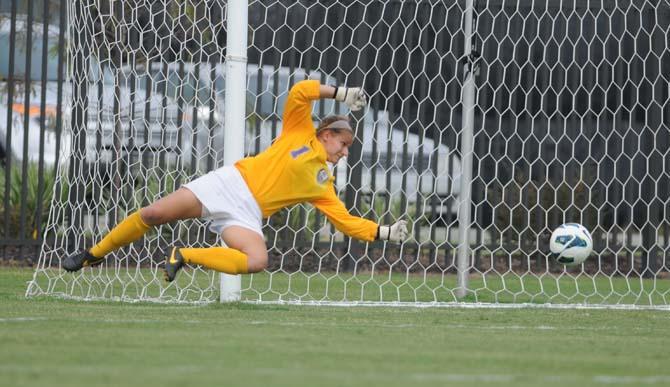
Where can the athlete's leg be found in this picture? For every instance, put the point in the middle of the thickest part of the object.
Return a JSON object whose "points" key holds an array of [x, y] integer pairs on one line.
{"points": [[246, 253], [249, 242], [181, 204]]}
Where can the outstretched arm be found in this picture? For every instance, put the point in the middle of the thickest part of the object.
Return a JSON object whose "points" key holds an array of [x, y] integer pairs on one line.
{"points": [[357, 227], [298, 109]]}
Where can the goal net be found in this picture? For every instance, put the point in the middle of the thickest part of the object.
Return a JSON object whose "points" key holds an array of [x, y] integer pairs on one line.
{"points": [[490, 123]]}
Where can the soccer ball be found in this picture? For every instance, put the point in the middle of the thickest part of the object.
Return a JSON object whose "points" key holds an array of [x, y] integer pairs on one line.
{"points": [[571, 243]]}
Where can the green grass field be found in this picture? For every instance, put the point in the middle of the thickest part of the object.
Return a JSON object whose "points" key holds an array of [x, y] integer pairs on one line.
{"points": [[52, 342]]}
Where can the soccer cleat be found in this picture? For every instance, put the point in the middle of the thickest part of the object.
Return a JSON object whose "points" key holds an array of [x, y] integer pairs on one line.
{"points": [[80, 259], [173, 263]]}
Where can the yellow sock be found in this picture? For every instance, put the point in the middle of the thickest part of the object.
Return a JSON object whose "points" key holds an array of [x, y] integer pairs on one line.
{"points": [[221, 259], [129, 230]]}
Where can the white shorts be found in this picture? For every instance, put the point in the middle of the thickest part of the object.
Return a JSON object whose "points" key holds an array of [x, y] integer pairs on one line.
{"points": [[226, 200]]}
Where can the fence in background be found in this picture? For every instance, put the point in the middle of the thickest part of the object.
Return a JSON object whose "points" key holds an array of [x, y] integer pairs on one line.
{"points": [[571, 116], [32, 68]]}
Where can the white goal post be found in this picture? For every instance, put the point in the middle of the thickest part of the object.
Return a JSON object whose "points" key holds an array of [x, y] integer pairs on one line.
{"points": [[235, 113], [489, 124]]}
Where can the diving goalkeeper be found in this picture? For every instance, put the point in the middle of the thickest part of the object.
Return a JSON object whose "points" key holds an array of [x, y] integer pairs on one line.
{"points": [[234, 199]]}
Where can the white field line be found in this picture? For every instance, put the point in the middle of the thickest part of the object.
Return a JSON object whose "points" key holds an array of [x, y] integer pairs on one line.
{"points": [[98, 320], [433, 377], [489, 327], [21, 319], [460, 305], [470, 327], [388, 304], [636, 380], [418, 378]]}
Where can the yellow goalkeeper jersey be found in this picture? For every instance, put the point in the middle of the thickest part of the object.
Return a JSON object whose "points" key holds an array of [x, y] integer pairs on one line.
{"points": [[294, 170]]}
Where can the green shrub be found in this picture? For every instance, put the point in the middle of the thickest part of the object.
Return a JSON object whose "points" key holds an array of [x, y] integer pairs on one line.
{"points": [[14, 196]]}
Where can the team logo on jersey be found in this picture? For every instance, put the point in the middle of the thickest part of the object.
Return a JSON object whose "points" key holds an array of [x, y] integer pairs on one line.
{"points": [[322, 176]]}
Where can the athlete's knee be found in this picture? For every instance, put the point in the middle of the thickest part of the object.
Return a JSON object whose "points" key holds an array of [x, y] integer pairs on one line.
{"points": [[257, 262], [154, 215]]}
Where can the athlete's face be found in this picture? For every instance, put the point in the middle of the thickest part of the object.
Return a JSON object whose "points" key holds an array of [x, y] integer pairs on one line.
{"points": [[336, 144]]}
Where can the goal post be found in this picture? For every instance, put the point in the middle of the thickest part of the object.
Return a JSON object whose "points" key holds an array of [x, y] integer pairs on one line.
{"points": [[467, 149], [235, 112], [490, 123]]}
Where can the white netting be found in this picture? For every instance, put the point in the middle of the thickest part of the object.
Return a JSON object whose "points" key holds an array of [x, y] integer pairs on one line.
{"points": [[569, 121]]}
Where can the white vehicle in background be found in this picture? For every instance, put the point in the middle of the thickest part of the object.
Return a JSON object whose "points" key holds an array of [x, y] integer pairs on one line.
{"points": [[16, 139], [33, 142], [116, 123]]}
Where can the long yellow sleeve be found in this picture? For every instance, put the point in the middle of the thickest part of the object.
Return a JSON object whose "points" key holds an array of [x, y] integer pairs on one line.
{"points": [[336, 212]]}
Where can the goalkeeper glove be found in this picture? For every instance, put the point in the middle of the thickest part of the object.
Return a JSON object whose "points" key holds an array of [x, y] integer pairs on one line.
{"points": [[397, 232], [354, 97]]}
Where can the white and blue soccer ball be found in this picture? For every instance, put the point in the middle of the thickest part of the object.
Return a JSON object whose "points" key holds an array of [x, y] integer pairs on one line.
{"points": [[571, 243]]}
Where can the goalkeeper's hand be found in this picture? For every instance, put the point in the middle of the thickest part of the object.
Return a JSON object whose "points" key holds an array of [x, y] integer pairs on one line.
{"points": [[354, 97], [397, 232]]}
